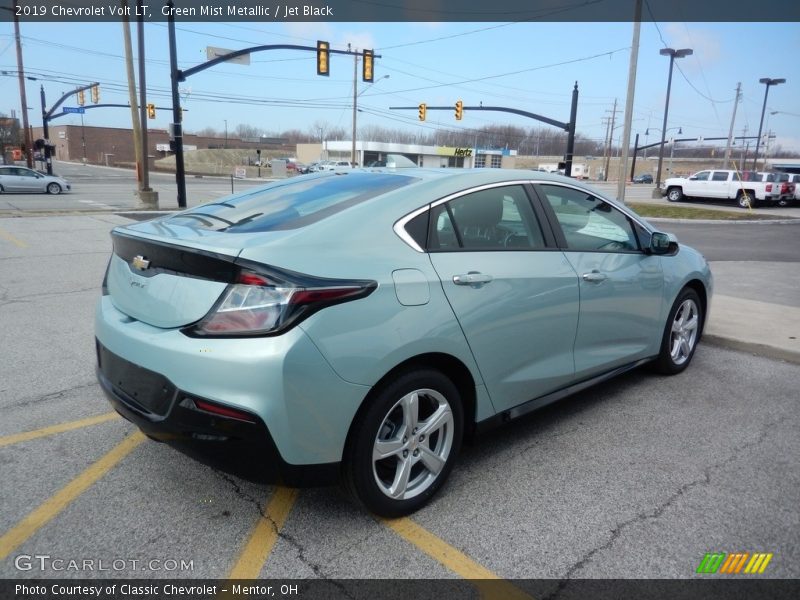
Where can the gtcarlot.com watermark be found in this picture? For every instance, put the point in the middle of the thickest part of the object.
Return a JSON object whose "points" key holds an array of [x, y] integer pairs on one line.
{"points": [[45, 562]]}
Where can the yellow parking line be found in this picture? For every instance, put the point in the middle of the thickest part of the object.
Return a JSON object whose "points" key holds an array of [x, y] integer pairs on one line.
{"points": [[490, 585], [51, 507], [10, 238], [265, 534], [53, 429]]}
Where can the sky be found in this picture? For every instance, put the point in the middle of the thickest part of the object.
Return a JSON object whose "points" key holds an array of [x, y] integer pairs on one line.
{"points": [[525, 65]]}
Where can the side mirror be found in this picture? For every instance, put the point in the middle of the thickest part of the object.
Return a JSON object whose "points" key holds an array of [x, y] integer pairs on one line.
{"points": [[693, 178], [662, 244]]}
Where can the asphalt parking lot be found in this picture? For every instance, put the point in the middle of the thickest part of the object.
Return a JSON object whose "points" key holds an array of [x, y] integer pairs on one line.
{"points": [[637, 478]]}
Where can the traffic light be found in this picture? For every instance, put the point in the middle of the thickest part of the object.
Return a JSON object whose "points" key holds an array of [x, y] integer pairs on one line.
{"points": [[367, 64], [323, 58], [95, 94], [81, 98], [422, 110], [151, 111], [459, 110]]}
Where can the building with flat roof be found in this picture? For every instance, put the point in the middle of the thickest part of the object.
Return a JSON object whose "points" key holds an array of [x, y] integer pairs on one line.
{"points": [[423, 156], [114, 146]]}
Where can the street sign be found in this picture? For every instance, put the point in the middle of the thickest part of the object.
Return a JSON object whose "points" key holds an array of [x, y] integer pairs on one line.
{"points": [[74, 109], [212, 53]]}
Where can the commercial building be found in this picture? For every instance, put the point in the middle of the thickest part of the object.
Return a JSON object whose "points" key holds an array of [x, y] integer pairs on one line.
{"points": [[114, 146], [423, 156]]}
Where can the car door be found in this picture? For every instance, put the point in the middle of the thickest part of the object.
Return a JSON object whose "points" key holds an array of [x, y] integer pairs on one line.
{"points": [[620, 285], [697, 185], [718, 186], [12, 179], [29, 180], [513, 292]]}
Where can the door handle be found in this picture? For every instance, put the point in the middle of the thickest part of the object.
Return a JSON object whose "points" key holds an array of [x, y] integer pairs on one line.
{"points": [[595, 276], [472, 278]]}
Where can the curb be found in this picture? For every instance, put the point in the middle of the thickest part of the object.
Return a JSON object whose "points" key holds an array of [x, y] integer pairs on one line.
{"points": [[764, 350]]}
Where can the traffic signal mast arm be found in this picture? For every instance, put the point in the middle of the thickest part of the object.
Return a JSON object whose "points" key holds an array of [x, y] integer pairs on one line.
{"points": [[108, 105], [49, 114], [183, 74], [524, 113]]}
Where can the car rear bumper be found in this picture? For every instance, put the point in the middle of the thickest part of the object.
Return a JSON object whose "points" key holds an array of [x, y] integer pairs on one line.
{"points": [[239, 443], [303, 407]]}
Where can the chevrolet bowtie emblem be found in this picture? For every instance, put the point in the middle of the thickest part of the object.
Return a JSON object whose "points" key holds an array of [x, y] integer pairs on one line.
{"points": [[140, 262]]}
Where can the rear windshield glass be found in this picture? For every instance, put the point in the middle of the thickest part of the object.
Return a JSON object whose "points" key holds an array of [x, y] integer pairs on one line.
{"points": [[291, 204]]}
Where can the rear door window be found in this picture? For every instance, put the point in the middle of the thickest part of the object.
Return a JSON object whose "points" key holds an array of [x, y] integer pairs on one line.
{"points": [[498, 218]]}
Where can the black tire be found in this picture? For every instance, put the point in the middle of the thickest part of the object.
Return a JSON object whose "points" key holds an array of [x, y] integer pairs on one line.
{"points": [[53, 188], [675, 194], [745, 199], [682, 333], [384, 421]]}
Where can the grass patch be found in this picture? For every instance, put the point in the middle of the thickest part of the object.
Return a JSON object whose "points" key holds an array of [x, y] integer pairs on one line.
{"points": [[670, 211]]}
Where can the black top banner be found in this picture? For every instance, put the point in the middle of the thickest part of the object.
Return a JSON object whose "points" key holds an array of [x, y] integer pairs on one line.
{"points": [[401, 10]]}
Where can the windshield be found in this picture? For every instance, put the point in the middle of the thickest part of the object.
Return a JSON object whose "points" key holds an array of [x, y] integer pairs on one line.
{"points": [[291, 204]]}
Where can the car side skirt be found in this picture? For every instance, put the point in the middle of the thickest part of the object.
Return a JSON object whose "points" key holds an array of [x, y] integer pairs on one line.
{"points": [[542, 401]]}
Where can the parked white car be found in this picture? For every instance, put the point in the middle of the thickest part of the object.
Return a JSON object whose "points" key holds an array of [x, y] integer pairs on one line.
{"points": [[337, 165]]}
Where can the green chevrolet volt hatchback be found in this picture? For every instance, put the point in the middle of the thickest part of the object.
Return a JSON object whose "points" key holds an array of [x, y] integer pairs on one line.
{"points": [[359, 325]]}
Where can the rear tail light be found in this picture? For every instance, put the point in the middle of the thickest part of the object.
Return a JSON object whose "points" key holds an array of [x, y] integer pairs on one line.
{"points": [[222, 411], [265, 301], [769, 187]]}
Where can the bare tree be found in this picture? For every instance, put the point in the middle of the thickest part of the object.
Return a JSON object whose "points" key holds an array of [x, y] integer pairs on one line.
{"points": [[208, 132]]}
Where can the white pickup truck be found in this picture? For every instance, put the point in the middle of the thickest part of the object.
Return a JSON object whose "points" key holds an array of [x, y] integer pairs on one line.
{"points": [[745, 187]]}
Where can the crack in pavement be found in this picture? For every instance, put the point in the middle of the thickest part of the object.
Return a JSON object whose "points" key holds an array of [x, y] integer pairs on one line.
{"points": [[50, 396], [290, 539], [616, 533], [30, 297], [59, 255]]}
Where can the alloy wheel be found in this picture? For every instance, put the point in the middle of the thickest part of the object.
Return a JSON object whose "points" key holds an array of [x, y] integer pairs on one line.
{"points": [[413, 444], [683, 336]]}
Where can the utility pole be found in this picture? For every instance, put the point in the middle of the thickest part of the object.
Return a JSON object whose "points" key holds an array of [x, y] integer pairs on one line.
{"points": [[607, 122], [22, 97], [610, 140], [147, 197], [137, 143], [626, 134], [733, 120]]}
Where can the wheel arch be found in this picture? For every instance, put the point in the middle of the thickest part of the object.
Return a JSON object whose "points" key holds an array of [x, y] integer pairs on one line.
{"points": [[700, 289], [454, 369]]}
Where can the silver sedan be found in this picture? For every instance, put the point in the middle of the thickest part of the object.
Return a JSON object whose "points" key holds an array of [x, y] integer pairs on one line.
{"points": [[22, 179]]}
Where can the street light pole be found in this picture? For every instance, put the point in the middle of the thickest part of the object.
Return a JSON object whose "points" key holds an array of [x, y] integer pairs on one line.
{"points": [[356, 94], [767, 82], [673, 54], [355, 103]]}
